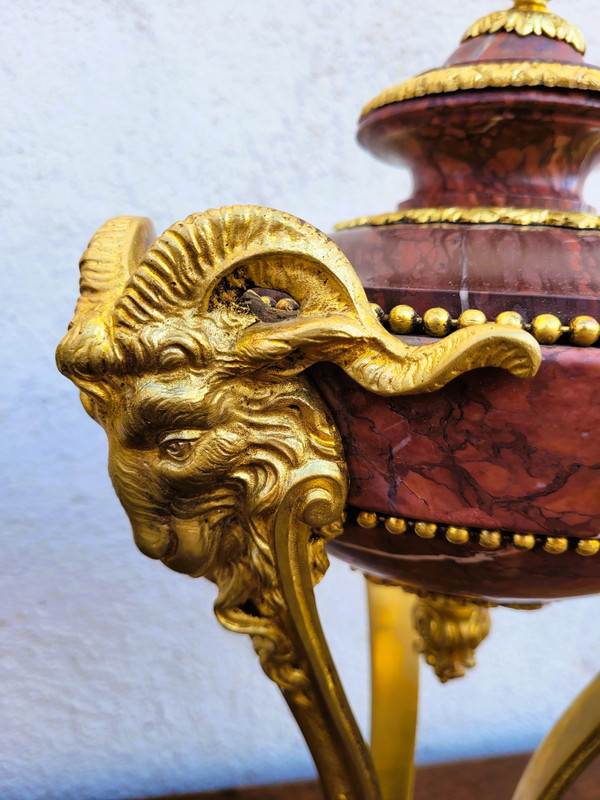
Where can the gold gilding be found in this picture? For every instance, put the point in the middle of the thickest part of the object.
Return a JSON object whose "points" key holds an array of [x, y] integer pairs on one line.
{"points": [[546, 328], [556, 545], [529, 17], [450, 629], [221, 451], [402, 319], [571, 745], [395, 688], [584, 331], [588, 547], [366, 519], [479, 215], [457, 535], [490, 540], [395, 525], [491, 75], [472, 316], [512, 318], [524, 541], [425, 530], [437, 322]]}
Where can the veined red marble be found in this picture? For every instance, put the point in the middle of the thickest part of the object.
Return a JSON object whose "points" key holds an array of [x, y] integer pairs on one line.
{"points": [[502, 576], [532, 270], [531, 148], [487, 451], [505, 46]]}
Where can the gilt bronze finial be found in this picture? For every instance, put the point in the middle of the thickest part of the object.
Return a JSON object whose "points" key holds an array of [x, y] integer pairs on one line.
{"points": [[531, 5]]}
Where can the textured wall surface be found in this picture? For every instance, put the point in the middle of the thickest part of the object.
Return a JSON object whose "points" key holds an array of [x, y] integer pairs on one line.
{"points": [[115, 680]]}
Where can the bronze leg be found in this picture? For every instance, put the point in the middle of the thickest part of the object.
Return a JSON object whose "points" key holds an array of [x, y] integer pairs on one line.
{"points": [[280, 615], [320, 706], [395, 688], [566, 751]]}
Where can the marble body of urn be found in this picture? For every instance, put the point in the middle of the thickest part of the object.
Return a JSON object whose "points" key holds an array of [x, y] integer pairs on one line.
{"points": [[500, 141]]}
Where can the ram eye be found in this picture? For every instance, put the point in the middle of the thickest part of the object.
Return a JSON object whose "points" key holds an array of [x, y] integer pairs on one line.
{"points": [[177, 448]]}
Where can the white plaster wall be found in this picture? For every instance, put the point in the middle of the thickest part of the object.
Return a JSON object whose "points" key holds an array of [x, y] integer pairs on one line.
{"points": [[115, 680]]}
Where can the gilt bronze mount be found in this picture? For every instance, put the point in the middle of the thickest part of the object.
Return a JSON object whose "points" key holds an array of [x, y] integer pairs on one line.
{"points": [[270, 394]]}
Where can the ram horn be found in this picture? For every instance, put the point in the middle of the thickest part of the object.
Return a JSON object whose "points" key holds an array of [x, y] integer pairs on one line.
{"points": [[209, 258], [206, 261], [113, 254], [216, 254]]}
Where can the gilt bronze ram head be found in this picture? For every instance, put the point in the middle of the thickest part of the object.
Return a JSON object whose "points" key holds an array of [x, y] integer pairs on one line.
{"points": [[222, 453]]}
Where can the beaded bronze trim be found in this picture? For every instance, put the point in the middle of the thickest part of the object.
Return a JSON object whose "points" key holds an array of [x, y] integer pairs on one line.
{"points": [[582, 331], [547, 329], [486, 539]]}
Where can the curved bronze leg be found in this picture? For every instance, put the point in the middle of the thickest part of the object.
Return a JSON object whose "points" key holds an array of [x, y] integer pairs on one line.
{"points": [[566, 751], [321, 709], [281, 617], [395, 688]]}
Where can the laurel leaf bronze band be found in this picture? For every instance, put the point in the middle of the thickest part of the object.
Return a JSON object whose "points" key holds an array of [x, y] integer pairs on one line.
{"points": [[493, 75], [486, 539], [526, 21], [479, 215]]}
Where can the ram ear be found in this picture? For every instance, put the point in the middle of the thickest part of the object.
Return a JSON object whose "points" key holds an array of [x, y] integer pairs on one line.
{"points": [[383, 363], [205, 262]]}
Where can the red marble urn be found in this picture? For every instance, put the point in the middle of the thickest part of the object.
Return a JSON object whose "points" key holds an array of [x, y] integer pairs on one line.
{"points": [[489, 488]]}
